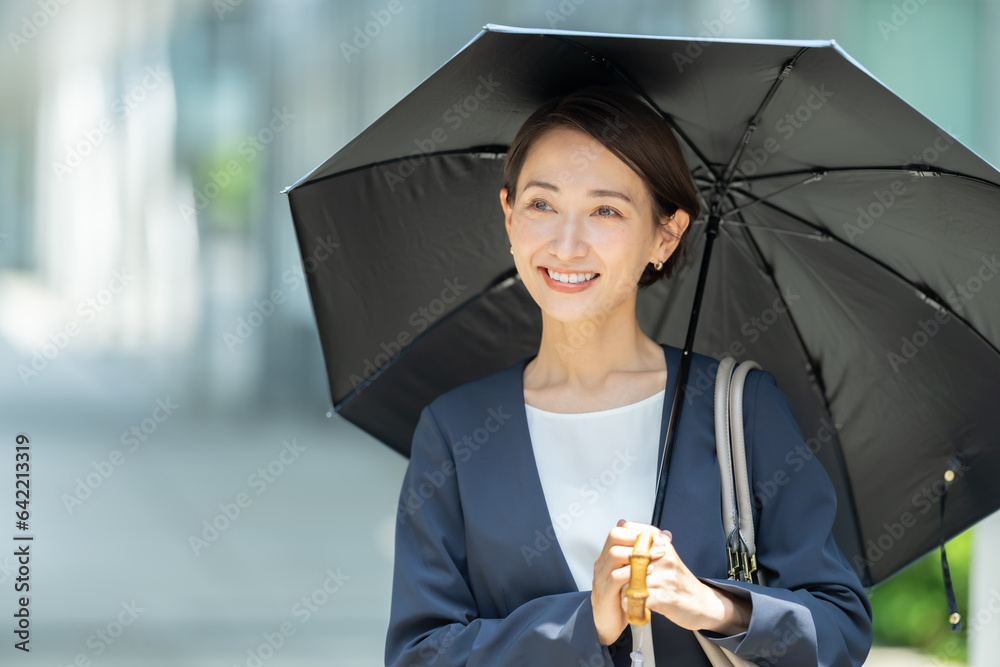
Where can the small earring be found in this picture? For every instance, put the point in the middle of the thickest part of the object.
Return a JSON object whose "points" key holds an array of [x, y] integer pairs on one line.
{"points": [[658, 266], [512, 250]]}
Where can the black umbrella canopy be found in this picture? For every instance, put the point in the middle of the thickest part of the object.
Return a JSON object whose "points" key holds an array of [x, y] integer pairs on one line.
{"points": [[856, 258]]}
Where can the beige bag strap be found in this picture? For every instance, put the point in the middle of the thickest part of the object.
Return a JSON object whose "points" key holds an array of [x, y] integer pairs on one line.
{"points": [[737, 514], [722, 447], [738, 443], [730, 448]]}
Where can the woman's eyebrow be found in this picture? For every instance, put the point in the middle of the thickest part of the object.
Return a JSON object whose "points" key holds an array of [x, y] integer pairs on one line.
{"points": [[592, 193]]}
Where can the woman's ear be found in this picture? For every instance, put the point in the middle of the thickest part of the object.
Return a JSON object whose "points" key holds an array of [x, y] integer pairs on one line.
{"points": [[679, 223], [506, 209], [671, 229]]}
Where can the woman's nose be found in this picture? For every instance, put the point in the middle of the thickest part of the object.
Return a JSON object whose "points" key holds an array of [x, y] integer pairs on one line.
{"points": [[570, 237]]}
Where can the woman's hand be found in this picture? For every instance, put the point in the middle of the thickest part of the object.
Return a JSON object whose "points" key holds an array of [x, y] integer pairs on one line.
{"points": [[674, 591], [611, 576]]}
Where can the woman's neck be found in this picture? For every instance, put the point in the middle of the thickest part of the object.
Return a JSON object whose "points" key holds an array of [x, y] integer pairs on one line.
{"points": [[583, 356]]}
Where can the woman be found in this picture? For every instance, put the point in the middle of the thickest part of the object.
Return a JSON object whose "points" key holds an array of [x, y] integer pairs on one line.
{"points": [[526, 489]]}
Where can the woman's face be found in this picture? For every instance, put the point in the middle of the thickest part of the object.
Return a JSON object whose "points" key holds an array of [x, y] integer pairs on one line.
{"points": [[582, 212]]}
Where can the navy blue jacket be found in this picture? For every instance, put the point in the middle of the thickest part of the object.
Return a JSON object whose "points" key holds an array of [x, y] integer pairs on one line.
{"points": [[479, 577]]}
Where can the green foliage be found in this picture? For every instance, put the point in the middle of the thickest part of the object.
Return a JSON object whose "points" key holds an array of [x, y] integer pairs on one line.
{"points": [[224, 180], [911, 609]]}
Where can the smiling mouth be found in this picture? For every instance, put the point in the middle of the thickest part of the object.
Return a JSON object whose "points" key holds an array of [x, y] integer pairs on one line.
{"points": [[570, 278]]}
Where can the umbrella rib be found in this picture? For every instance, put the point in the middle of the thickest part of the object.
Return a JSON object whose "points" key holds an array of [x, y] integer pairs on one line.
{"points": [[816, 236], [486, 152], [776, 230], [765, 268], [929, 297], [752, 126], [813, 177], [601, 59], [914, 169]]}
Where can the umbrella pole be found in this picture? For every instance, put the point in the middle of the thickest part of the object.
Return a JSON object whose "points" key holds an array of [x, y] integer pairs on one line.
{"points": [[711, 231]]}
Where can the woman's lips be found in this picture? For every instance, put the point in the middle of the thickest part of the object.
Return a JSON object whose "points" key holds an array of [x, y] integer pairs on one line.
{"points": [[566, 287]]}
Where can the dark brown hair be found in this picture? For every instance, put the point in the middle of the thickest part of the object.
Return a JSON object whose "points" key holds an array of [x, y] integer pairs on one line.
{"points": [[632, 130]]}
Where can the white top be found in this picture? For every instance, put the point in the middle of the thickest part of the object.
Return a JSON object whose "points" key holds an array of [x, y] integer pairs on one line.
{"points": [[596, 468]]}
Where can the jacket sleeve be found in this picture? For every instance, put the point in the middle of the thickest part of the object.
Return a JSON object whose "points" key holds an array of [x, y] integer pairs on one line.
{"points": [[434, 617], [813, 610]]}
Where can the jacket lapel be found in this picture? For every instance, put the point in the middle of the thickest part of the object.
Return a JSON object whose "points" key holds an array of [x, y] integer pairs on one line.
{"points": [[522, 459]]}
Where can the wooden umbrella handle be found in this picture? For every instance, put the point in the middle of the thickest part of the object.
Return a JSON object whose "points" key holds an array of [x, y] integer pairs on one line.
{"points": [[636, 592]]}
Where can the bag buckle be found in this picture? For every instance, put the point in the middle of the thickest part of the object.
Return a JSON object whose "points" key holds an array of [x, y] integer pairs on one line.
{"points": [[749, 568], [735, 567], [742, 566]]}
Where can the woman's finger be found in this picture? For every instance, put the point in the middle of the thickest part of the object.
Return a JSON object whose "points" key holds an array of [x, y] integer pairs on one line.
{"points": [[645, 528], [621, 535]]}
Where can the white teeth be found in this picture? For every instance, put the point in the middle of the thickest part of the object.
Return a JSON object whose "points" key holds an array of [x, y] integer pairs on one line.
{"points": [[571, 278]]}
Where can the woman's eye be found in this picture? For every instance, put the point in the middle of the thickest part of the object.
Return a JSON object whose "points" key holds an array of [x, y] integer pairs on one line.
{"points": [[602, 211]]}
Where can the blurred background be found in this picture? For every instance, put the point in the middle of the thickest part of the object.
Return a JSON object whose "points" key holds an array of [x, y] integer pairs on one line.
{"points": [[195, 502]]}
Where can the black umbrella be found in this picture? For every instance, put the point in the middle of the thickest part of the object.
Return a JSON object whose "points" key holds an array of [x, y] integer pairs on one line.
{"points": [[848, 246]]}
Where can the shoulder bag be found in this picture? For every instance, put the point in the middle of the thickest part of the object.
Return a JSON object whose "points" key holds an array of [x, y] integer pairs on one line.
{"points": [[737, 513]]}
